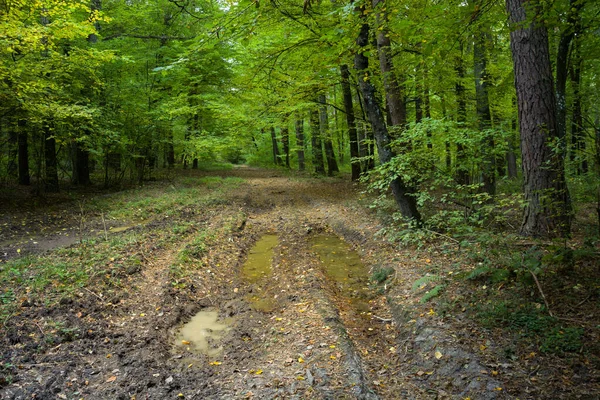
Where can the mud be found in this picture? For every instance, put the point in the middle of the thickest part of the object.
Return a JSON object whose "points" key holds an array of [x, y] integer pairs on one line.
{"points": [[324, 335]]}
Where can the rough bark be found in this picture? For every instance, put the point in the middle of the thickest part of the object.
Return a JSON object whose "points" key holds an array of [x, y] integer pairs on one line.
{"points": [[300, 143], [548, 210], [352, 133], [317, 147], [406, 202]]}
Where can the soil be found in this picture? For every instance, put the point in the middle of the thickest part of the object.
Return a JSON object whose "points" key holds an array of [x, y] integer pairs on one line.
{"points": [[312, 342]]}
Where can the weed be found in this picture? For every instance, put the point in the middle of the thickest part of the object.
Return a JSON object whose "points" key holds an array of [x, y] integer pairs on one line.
{"points": [[380, 275]]}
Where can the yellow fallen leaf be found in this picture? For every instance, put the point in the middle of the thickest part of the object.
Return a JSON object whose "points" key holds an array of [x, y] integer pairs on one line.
{"points": [[300, 378], [300, 359], [108, 355], [111, 379], [438, 355], [185, 342], [142, 315], [259, 372], [494, 373], [215, 363], [332, 357], [332, 346], [18, 250]]}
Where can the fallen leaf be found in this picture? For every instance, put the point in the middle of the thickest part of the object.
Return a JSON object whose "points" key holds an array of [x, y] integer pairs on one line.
{"points": [[111, 379], [259, 372], [185, 342], [438, 355], [215, 363], [300, 359]]}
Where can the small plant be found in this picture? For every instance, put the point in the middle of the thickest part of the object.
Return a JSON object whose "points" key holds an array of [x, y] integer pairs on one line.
{"points": [[427, 281], [380, 275]]}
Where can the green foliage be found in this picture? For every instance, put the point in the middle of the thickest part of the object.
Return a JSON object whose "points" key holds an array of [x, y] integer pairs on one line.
{"points": [[381, 275]]}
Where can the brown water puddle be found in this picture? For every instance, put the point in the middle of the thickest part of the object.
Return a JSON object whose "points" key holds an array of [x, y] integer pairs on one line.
{"points": [[257, 269], [203, 333], [344, 266]]}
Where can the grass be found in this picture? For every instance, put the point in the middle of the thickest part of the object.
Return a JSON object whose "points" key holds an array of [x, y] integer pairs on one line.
{"points": [[63, 272]]}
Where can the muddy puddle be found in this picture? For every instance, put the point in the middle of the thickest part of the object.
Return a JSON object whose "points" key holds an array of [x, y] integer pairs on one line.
{"points": [[344, 266], [257, 269], [203, 333]]}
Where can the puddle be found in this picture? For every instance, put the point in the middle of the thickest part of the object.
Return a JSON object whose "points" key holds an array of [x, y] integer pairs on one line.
{"points": [[203, 333], [257, 269], [344, 266]]}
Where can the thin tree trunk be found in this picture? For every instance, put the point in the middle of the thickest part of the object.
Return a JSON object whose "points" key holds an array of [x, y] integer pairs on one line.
{"points": [[50, 161], [352, 133], [300, 143], [484, 116], [394, 95], [326, 136], [24, 178], [13, 149], [315, 138], [578, 148], [462, 171], [285, 142], [511, 153], [427, 98], [406, 202], [548, 209], [276, 159]]}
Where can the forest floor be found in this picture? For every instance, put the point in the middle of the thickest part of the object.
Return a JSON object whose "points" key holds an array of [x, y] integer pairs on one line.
{"points": [[95, 290]]}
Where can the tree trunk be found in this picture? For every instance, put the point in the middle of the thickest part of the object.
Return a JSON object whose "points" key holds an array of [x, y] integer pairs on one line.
{"points": [[484, 116], [352, 133], [462, 171], [326, 136], [51, 184], [285, 143], [276, 159], [315, 138], [511, 153], [13, 149], [300, 143], [427, 103], [406, 202], [81, 169], [24, 178], [578, 145], [548, 209], [394, 95]]}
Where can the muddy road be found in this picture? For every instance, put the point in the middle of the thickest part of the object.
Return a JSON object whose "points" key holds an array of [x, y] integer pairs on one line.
{"points": [[274, 287]]}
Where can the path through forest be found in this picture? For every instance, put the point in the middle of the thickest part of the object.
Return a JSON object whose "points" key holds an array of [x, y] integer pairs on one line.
{"points": [[296, 328]]}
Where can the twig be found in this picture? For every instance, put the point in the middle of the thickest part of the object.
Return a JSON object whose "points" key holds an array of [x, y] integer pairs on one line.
{"points": [[40, 328], [381, 319], [105, 231], [94, 294], [541, 292], [442, 235]]}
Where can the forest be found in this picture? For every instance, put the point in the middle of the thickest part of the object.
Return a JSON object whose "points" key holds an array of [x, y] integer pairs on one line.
{"points": [[149, 149]]}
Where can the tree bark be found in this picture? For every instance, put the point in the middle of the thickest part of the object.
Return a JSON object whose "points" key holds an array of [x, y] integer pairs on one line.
{"points": [[548, 209], [23, 150], [300, 143], [332, 166], [578, 145], [12, 168], [406, 202], [352, 133], [315, 138]]}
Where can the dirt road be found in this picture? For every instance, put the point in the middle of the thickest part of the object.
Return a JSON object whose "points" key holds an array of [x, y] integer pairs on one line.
{"points": [[294, 327]]}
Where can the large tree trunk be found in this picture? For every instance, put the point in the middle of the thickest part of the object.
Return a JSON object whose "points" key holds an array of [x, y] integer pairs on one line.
{"points": [[352, 133], [81, 165], [23, 153], [406, 202], [326, 136], [300, 143], [484, 116], [548, 209], [51, 183]]}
